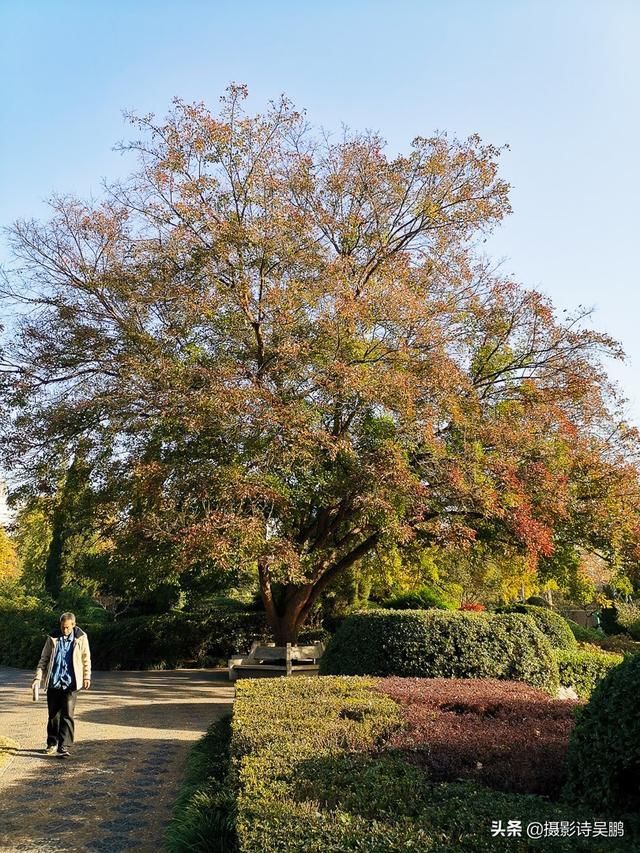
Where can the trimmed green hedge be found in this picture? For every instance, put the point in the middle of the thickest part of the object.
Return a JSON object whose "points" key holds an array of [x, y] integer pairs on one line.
{"points": [[24, 625], [555, 628], [174, 639], [584, 634], [204, 816], [583, 669], [604, 750], [142, 642], [423, 598], [437, 644], [311, 776]]}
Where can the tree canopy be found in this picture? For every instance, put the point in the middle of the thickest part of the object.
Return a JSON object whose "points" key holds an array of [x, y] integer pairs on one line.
{"points": [[282, 351]]}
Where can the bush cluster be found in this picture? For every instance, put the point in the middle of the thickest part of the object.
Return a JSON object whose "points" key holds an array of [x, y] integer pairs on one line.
{"points": [[584, 634], [434, 644], [175, 639], [604, 750], [555, 628], [313, 774], [538, 601], [423, 598], [628, 618], [583, 668], [621, 643], [503, 734], [141, 642], [25, 622]]}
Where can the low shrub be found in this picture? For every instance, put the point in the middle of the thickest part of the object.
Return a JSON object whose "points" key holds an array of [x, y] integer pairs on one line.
{"points": [[314, 773], [504, 734], [202, 638], [434, 644], [583, 669], [314, 635], [604, 749], [423, 598], [25, 622], [584, 634], [175, 639], [622, 643], [204, 815], [538, 601], [628, 618], [553, 626]]}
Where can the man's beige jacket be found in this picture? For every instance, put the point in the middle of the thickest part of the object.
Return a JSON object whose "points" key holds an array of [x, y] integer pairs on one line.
{"points": [[81, 658]]}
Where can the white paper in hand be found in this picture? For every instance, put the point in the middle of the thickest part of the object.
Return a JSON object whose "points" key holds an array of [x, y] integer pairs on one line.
{"points": [[36, 691]]}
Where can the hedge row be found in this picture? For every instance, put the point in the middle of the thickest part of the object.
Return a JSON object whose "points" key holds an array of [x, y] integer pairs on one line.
{"points": [[22, 635], [604, 751], [438, 644], [583, 669], [311, 775], [584, 634], [175, 639], [143, 642], [204, 815], [553, 626]]}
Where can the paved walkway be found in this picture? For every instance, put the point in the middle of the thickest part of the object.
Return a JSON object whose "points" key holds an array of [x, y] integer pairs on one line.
{"points": [[116, 792]]}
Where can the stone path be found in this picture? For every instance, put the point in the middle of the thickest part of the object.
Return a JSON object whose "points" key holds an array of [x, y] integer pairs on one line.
{"points": [[117, 791]]}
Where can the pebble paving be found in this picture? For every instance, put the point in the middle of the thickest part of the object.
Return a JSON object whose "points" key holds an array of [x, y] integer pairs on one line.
{"points": [[117, 790]]}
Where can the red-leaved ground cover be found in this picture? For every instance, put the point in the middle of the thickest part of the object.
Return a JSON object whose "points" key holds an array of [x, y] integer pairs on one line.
{"points": [[504, 734]]}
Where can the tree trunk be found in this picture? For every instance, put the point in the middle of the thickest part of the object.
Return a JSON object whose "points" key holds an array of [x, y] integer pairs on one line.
{"points": [[287, 616]]}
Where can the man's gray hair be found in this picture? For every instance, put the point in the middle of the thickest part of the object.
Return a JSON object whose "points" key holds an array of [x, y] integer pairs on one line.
{"points": [[68, 617]]}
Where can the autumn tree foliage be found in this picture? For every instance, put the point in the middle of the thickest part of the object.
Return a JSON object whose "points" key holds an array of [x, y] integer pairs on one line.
{"points": [[9, 560], [284, 352]]}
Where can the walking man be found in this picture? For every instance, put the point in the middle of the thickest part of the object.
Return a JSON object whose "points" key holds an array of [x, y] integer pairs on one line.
{"points": [[66, 664]]}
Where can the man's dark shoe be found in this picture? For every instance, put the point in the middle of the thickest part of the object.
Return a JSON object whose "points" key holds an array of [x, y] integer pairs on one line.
{"points": [[63, 752]]}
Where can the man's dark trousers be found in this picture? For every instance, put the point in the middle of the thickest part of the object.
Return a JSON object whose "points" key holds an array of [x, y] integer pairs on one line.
{"points": [[61, 702]]}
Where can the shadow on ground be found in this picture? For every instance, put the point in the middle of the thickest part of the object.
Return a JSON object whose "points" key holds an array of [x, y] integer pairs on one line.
{"points": [[108, 796], [173, 716]]}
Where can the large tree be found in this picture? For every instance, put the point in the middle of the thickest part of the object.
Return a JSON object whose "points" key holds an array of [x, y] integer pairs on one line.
{"points": [[285, 351]]}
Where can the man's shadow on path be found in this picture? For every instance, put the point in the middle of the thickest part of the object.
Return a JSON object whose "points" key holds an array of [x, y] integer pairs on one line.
{"points": [[35, 753]]}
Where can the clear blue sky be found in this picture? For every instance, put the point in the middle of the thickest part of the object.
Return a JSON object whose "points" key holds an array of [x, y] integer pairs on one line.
{"points": [[558, 81]]}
